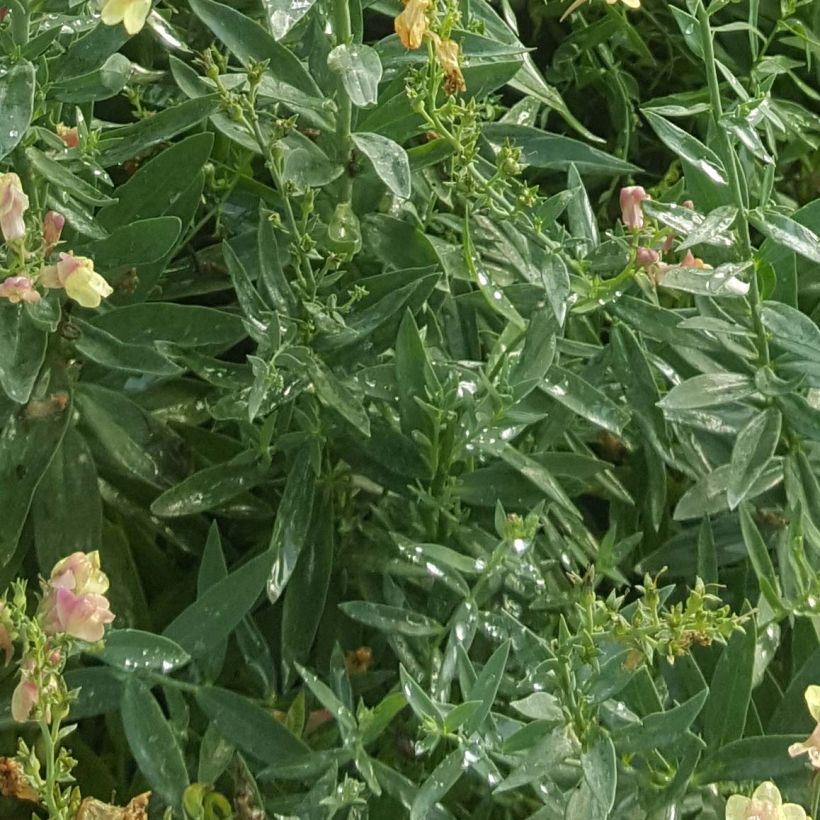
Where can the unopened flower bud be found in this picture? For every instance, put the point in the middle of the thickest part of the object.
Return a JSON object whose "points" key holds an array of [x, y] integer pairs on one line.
{"points": [[630, 200], [646, 257], [53, 224], [13, 205], [69, 136]]}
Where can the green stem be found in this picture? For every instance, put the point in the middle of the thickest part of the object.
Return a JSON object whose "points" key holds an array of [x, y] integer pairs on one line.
{"points": [[49, 735], [730, 161], [343, 30]]}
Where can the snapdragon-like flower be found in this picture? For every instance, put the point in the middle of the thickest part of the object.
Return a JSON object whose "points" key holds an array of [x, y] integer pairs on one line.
{"points": [[692, 261], [53, 224], [26, 693], [811, 745], [412, 24], [75, 602], [447, 54], [131, 13], [13, 205], [18, 289], [77, 275], [764, 804], [6, 632], [631, 212]]}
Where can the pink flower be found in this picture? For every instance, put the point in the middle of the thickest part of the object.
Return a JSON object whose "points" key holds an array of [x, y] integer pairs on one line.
{"points": [[631, 198], [77, 275], [687, 203], [81, 616], [24, 699], [646, 257], [80, 572], [53, 224], [13, 204], [18, 289], [75, 603]]}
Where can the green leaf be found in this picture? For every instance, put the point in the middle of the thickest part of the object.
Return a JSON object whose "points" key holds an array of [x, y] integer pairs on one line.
{"points": [[389, 161], [485, 687], [101, 347], [128, 141], [792, 715], [787, 232], [100, 84], [438, 783], [211, 487], [250, 43], [184, 325], [22, 351], [153, 743], [250, 727], [391, 619], [57, 174], [660, 729], [360, 70], [17, 104], [290, 531], [752, 759], [684, 145], [67, 508], [217, 612], [730, 690], [283, 15], [419, 701], [753, 449], [27, 445], [554, 151], [539, 706], [792, 330], [133, 650], [708, 390], [152, 190], [601, 772], [584, 399], [759, 557]]}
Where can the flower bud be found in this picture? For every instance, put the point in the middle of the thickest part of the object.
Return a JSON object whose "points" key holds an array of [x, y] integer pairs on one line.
{"points": [[631, 213], [23, 699], [53, 224], [69, 136], [646, 257], [687, 203], [13, 204], [18, 289]]}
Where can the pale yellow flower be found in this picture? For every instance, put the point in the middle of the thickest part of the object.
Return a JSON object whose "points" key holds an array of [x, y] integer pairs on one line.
{"points": [[131, 13], [447, 54], [77, 275], [412, 24], [764, 804], [811, 745]]}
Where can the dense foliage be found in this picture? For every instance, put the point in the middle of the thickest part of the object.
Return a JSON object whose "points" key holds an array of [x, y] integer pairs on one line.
{"points": [[439, 383]]}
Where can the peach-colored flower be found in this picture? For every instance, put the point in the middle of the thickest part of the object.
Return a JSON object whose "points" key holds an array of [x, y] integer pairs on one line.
{"points": [[692, 261], [53, 224], [13, 204], [81, 616], [687, 203], [447, 54], [646, 257], [811, 745], [24, 699], [18, 289], [69, 136], [131, 13], [630, 199], [412, 24], [764, 804], [75, 602], [77, 275]]}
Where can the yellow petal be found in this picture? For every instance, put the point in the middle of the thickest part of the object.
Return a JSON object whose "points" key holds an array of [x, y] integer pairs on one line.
{"points": [[799, 749], [136, 15], [736, 807], [791, 811], [632, 4], [113, 11], [812, 696], [769, 792]]}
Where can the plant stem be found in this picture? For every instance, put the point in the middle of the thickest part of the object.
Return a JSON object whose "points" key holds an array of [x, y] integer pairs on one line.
{"points": [[343, 30], [49, 735], [730, 161]]}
